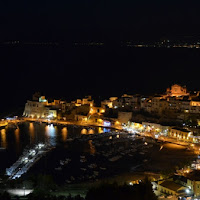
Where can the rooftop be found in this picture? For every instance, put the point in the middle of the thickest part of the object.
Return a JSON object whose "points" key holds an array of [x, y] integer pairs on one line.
{"points": [[171, 185], [181, 129], [194, 175]]}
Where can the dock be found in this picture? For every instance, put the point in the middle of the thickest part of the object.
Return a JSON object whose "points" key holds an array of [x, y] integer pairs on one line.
{"points": [[27, 160]]}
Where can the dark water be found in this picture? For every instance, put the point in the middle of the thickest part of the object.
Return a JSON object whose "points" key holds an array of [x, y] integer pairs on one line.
{"points": [[70, 72], [15, 140]]}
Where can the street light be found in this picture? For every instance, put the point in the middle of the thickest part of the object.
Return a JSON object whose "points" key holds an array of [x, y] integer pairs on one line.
{"points": [[24, 190]]}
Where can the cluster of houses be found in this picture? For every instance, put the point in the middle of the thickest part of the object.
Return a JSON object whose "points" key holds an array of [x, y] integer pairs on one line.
{"points": [[84, 110], [182, 185], [176, 102], [117, 111], [185, 186]]}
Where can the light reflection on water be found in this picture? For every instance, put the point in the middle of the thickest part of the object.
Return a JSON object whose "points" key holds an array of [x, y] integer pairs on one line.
{"points": [[106, 130], [3, 138], [64, 134], [50, 133], [91, 131], [32, 132], [94, 130], [15, 140]]}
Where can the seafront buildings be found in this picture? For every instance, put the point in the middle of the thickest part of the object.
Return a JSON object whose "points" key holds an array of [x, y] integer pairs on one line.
{"points": [[185, 183], [172, 117], [176, 113], [176, 104]]}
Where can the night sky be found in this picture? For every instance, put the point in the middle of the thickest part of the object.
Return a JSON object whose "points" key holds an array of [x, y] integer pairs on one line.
{"points": [[101, 19], [68, 71]]}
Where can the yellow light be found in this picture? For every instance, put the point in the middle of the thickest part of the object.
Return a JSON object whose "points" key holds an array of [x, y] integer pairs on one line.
{"points": [[91, 110], [100, 120], [3, 138], [117, 122], [91, 131], [64, 134], [17, 136], [84, 131], [100, 130]]}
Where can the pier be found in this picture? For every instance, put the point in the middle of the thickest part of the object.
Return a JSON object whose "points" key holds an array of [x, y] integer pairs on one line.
{"points": [[27, 160]]}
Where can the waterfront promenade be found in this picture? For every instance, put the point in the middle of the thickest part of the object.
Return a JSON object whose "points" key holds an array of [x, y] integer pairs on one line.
{"points": [[62, 122], [190, 145]]}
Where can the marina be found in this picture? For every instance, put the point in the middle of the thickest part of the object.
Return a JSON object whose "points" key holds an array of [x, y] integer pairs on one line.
{"points": [[75, 155]]}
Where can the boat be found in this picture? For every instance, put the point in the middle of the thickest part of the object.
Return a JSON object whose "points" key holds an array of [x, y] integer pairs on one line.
{"points": [[115, 158], [62, 162], [65, 162], [92, 166], [83, 160], [58, 168]]}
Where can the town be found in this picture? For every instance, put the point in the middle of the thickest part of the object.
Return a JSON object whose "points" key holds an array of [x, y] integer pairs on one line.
{"points": [[146, 127], [173, 117], [176, 108]]}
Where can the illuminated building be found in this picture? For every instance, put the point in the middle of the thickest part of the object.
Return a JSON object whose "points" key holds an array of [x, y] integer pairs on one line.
{"points": [[85, 101], [132, 102], [146, 104], [81, 118], [180, 134], [157, 128], [181, 185], [158, 105], [192, 181], [177, 91], [109, 102], [41, 108], [35, 110], [97, 110], [171, 188]]}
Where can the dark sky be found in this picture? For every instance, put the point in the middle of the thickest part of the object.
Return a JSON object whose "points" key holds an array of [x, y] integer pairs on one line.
{"points": [[99, 19], [68, 71]]}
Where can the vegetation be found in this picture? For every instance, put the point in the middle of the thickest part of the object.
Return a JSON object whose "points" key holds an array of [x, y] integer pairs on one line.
{"points": [[52, 197], [142, 191], [5, 196]]}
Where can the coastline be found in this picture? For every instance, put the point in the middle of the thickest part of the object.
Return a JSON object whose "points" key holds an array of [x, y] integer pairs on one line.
{"points": [[62, 122]]}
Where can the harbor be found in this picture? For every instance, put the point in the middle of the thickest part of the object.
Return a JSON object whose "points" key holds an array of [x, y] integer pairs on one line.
{"points": [[76, 157]]}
